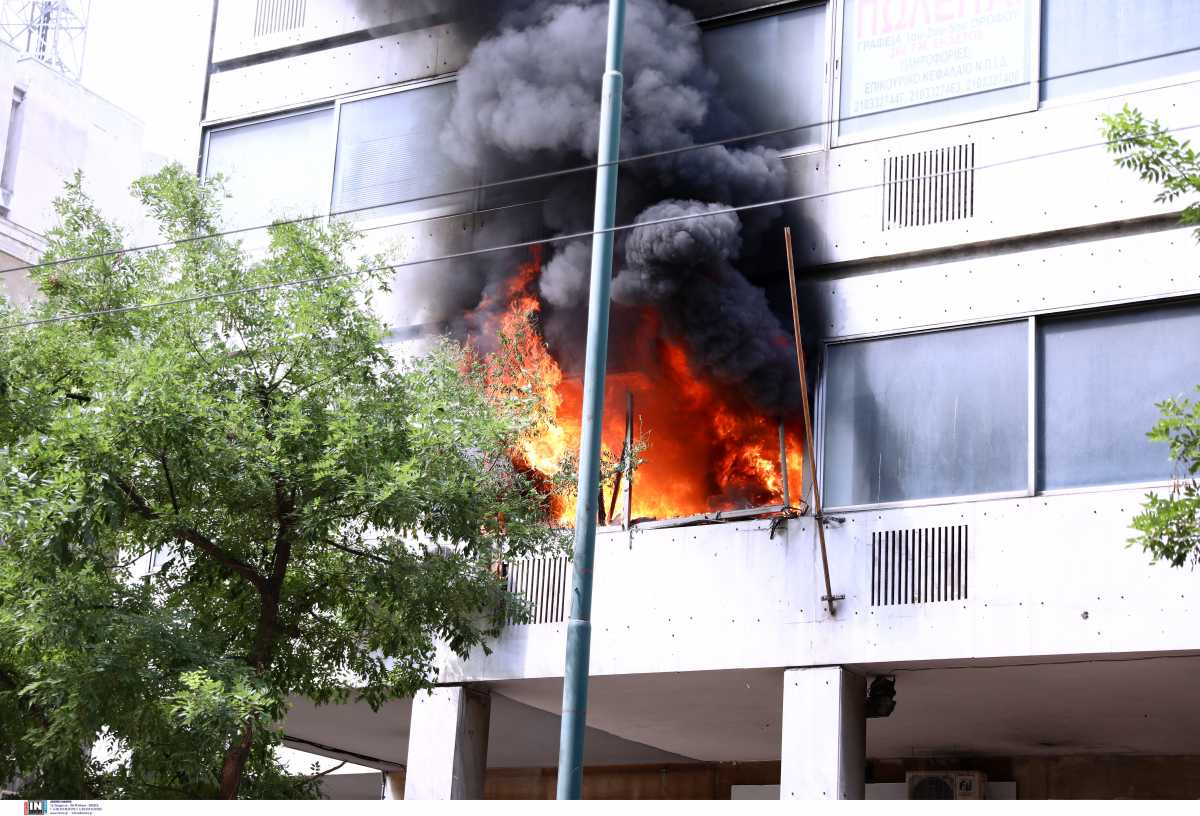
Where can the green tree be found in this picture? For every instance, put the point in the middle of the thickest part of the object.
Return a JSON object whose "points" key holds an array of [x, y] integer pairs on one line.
{"points": [[1169, 525], [319, 512]]}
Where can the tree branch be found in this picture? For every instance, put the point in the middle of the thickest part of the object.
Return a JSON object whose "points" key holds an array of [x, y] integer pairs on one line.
{"points": [[193, 536], [359, 553], [222, 557], [139, 504], [323, 773], [196, 348], [320, 380], [162, 460]]}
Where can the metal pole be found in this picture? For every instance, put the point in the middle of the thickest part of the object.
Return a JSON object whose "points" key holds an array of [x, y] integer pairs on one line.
{"points": [[579, 628], [628, 509], [810, 454]]}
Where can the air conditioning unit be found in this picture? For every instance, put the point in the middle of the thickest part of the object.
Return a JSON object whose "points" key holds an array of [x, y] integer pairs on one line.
{"points": [[946, 784]]}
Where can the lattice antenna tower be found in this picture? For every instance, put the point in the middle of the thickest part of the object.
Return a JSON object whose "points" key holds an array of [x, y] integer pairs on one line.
{"points": [[52, 31]]}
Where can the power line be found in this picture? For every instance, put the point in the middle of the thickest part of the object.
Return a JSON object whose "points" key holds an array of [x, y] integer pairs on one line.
{"points": [[631, 159], [548, 240]]}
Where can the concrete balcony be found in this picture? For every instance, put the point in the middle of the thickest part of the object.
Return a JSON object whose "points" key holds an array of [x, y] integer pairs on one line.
{"points": [[1021, 577]]}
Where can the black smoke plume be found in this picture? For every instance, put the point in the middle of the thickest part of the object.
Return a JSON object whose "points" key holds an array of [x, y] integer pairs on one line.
{"points": [[528, 101]]}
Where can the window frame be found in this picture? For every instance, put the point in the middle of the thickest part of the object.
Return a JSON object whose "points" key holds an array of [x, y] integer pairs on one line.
{"points": [[1110, 92], [366, 221], [1028, 103], [12, 147], [828, 84], [1033, 395], [334, 104], [821, 399], [1031, 103], [271, 117]]}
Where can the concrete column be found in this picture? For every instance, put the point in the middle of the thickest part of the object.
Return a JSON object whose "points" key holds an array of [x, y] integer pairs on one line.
{"points": [[447, 744], [824, 734], [393, 784]]}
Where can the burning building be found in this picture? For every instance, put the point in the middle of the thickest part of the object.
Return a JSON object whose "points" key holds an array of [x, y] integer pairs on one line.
{"points": [[697, 344], [984, 368]]}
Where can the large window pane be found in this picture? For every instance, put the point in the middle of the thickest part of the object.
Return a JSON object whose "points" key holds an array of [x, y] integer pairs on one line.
{"points": [[927, 415], [274, 168], [1093, 44], [906, 63], [389, 150], [772, 72], [1100, 377]]}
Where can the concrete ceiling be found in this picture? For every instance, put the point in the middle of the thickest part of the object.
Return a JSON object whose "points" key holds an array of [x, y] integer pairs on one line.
{"points": [[1119, 707], [716, 715], [1127, 706], [519, 736], [1139, 706]]}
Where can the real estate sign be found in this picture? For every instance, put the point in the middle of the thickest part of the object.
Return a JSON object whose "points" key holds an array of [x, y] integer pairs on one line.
{"points": [[897, 54]]}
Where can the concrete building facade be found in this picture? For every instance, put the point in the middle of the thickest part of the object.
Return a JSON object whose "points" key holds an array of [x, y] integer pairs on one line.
{"points": [[51, 126], [995, 309]]}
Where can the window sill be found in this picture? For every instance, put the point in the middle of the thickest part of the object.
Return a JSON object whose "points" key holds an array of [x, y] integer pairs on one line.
{"points": [[1016, 494], [931, 502]]}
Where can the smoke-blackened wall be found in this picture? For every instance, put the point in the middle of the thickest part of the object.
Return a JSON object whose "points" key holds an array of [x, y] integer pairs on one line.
{"points": [[528, 101]]}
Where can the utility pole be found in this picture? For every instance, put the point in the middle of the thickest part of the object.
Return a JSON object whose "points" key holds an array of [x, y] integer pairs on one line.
{"points": [[51, 31], [579, 628]]}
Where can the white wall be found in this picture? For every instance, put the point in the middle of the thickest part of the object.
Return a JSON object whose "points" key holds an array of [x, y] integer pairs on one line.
{"points": [[64, 127], [1037, 171], [1048, 575]]}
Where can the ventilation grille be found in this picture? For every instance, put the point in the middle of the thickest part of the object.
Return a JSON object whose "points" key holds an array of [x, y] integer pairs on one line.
{"points": [[274, 16], [544, 582], [925, 565], [929, 187]]}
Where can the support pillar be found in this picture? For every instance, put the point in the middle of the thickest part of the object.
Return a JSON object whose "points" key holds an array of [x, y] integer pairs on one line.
{"points": [[447, 744], [824, 734], [393, 784]]}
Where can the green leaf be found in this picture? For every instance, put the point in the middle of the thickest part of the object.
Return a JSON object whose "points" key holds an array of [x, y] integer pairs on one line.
{"points": [[229, 437]]}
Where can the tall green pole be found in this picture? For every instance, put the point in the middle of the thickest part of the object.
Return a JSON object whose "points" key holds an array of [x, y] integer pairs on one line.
{"points": [[579, 628]]}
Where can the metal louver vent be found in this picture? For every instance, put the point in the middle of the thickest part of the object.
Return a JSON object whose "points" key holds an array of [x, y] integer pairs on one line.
{"points": [[274, 16], [544, 583], [923, 565], [929, 186]]}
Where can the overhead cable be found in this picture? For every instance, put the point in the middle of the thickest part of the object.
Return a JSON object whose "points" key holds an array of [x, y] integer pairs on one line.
{"points": [[776, 202], [476, 188]]}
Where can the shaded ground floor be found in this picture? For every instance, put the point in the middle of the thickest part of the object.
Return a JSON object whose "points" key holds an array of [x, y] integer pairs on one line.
{"points": [[1059, 777], [1101, 726]]}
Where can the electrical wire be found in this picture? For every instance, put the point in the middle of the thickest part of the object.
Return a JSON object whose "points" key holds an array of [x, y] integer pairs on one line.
{"points": [[637, 158], [547, 240]]}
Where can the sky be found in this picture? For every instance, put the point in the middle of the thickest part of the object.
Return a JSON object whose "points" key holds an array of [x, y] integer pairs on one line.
{"points": [[149, 57]]}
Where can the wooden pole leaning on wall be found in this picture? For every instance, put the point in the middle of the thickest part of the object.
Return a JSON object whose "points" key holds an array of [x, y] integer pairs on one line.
{"points": [[810, 450], [627, 472]]}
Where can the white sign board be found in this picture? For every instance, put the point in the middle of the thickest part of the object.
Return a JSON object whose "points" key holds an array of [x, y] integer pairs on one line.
{"points": [[902, 53]]}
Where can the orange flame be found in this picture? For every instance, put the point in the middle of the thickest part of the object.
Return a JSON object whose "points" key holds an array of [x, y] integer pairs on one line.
{"points": [[705, 449]]}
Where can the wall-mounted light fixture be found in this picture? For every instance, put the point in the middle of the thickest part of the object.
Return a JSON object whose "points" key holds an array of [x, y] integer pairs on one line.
{"points": [[881, 696]]}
